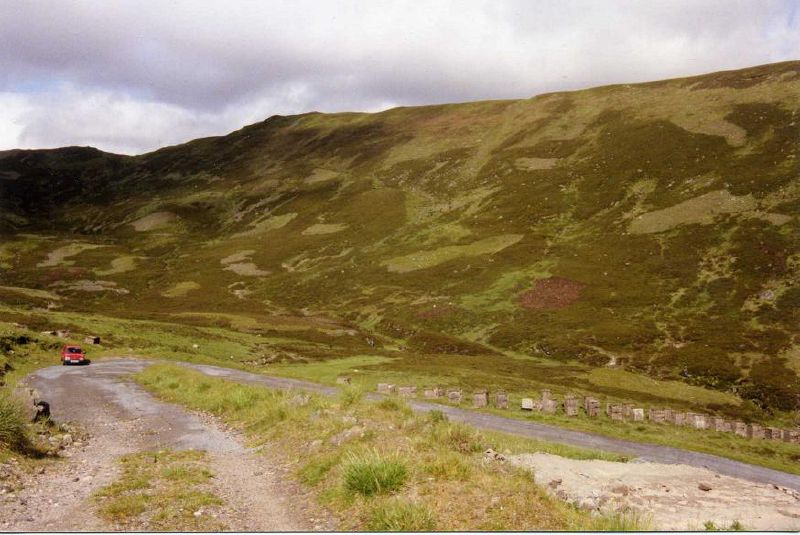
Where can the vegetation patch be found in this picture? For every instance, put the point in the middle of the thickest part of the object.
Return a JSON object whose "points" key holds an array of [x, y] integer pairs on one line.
{"points": [[434, 257], [154, 221], [59, 256], [324, 228], [699, 210], [180, 289], [161, 491], [551, 293]]}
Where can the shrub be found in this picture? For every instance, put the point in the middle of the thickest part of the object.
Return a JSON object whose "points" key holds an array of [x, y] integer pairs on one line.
{"points": [[397, 515], [350, 396], [12, 423], [436, 416], [371, 474]]}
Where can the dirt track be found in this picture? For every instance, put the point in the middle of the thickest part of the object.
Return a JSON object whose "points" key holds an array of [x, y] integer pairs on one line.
{"points": [[121, 418]]}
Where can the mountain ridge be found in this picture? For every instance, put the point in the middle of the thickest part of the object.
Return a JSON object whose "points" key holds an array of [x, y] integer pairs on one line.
{"points": [[651, 226]]}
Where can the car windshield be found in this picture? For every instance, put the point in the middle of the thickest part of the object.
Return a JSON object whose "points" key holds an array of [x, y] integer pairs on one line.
{"points": [[74, 350]]}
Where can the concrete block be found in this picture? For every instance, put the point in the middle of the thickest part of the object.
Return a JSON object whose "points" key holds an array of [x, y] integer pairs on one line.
{"points": [[343, 380], [773, 433], [637, 414], [679, 418], [755, 431], [386, 388], [407, 391], [656, 416], [526, 404], [480, 399], [740, 428], [592, 408], [791, 436], [571, 406], [454, 396], [546, 394], [549, 406], [616, 413], [627, 410], [501, 400], [433, 393], [699, 421], [91, 340]]}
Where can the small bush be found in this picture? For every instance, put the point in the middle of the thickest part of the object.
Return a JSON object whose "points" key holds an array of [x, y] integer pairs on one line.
{"points": [[396, 515], [350, 397], [436, 416], [374, 474], [12, 423], [463, 438]]}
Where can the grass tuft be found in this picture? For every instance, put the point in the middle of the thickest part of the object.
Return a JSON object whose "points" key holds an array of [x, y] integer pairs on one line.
{"points": [[401, 515], [13, 433], [372, 473]]}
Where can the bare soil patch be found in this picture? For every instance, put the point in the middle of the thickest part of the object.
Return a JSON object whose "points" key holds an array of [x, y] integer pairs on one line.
{"points": [[551, 293]]}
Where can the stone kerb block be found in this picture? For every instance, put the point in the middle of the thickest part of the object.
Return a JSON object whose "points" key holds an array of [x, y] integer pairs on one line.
{"points": [[526, 404], [480, 399], [637, 414], [755, 431], [407, 391], [549, 406], [433, 393], [616, 413], [571, 405], [739, 428], [546, 394], [92, 340], [454, 396], [700, 421], [678, 418], [656, 415], [773, 433], [343, 380], [669, 416], [501, 400], [718, 424], [386, 388], [592, 407], [627, 410], [791, 435]]}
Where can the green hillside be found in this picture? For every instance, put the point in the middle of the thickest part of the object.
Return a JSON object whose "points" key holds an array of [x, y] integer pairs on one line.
{"points": [[563, 240]]}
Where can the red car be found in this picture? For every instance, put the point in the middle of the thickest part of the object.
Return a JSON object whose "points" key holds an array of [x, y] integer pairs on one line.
{"points": [[72, 355]]}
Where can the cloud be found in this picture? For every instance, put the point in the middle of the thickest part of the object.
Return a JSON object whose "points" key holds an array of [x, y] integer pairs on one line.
{"points": [[133, 75]]}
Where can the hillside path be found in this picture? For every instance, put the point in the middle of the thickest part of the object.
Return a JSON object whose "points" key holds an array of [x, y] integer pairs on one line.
{"points": [[121, 418]]}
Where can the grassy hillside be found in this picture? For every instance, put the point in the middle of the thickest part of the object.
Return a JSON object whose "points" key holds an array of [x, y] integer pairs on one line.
{"points": [[563, 240]]}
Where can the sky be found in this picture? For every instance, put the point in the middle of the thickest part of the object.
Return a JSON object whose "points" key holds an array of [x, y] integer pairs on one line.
{"points": [[133, 76]]}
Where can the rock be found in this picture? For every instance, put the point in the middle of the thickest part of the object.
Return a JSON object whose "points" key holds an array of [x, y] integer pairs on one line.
{"points": [[622, 489], [705, 487], [554, 483], [198, 513], [300, 400], [66, 440]]}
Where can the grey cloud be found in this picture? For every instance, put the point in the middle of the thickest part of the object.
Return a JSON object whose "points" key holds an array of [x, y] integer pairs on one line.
{"points": [[207, 65]]}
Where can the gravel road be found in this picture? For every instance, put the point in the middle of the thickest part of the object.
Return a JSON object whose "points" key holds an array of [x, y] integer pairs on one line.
{"points": [[551, 433], [121, 418]]}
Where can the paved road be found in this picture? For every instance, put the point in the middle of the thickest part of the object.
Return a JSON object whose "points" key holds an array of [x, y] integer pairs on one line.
{"points": [[642, 451]]}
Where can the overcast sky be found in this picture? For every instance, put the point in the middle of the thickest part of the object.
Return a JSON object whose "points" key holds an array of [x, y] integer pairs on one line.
{"points": [[132, 76]]}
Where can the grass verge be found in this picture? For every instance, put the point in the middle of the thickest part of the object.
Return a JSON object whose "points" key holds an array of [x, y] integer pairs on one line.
{"points": [[379, 466]]}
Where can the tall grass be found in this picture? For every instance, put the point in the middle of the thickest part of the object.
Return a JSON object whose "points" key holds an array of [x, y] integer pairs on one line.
{"points": [[13, 433], [400, 515], [371, 473]]}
